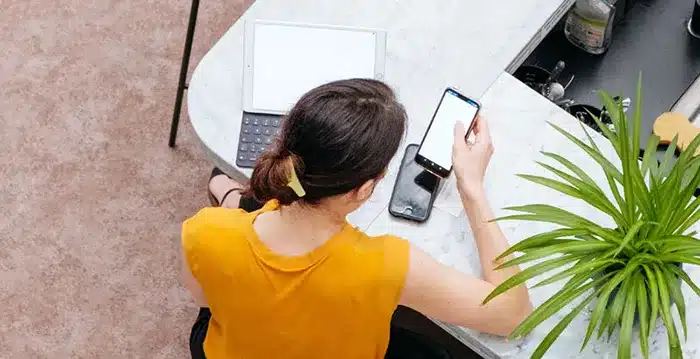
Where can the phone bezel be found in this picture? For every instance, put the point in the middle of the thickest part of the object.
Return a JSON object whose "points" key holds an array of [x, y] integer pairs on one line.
{"points": [[433, 195], [427, 163]]}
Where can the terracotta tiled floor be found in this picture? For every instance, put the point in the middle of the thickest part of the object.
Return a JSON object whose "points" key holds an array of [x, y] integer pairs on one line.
{"points": [[91, 196]]}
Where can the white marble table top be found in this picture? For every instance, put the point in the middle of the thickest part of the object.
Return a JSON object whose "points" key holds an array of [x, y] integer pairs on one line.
{"points": [[432, 45]]}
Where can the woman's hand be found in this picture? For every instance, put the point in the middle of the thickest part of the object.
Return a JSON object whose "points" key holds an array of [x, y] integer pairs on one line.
{"points": [[470, 160]]}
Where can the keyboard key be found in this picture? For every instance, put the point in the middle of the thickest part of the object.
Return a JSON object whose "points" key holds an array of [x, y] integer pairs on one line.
{"points": [[258, 133]]}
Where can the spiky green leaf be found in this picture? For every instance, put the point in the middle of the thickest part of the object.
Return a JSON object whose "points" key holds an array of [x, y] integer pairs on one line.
{"points": [[531, 272], [582, 175], [586, 265], [604, 296], [549, 339], [673, 286], [541, 239], [649, 161], [569, 247], [571, 290], [643, 312], [685, 277], [605, 164], [654, 302], [665, 309], [629, 236], [624, 350]]}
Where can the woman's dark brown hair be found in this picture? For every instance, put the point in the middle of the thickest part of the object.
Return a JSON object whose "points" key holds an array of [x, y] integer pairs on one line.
{"points": [[337, 137]]}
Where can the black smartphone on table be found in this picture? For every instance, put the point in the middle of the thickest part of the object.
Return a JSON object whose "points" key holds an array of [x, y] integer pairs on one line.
{"points": [[435, 151], [415, 189]]}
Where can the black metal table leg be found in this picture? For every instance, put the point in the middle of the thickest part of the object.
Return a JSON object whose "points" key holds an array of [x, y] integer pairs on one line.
{"points": [[182, 85]]}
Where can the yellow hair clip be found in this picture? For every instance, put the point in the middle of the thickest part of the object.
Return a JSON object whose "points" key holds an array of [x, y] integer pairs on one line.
{"points": [[294, 183]]}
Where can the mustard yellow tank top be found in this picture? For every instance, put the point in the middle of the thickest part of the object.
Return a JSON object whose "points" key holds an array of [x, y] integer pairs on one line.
{"points": [[334, 302]]}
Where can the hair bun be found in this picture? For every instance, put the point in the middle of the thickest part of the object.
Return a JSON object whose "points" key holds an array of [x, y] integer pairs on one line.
{"points": [[271, 177]]}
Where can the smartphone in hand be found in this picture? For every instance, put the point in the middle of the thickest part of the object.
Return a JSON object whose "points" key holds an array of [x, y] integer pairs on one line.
{"points": [[435, 151]]}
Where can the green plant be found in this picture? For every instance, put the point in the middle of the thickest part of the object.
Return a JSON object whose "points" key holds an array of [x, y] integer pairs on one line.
{"points": [[633, 270]]}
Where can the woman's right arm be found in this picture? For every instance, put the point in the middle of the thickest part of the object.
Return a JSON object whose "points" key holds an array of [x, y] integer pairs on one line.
{"points": [[450, 296]]}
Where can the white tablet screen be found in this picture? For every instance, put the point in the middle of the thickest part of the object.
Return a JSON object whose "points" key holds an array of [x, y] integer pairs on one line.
{"points": [[291, 60]]}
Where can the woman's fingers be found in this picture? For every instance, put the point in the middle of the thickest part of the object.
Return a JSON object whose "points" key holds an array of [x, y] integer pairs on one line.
{"points": [[483, 136], [475, 127], [459, 132], [460, 141]]}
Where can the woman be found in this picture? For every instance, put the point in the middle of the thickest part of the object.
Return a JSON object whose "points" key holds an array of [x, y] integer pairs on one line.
{"points": [[294, 280]]}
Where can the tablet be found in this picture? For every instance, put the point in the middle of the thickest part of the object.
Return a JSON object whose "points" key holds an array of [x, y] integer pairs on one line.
{"points": [[282, 61]]}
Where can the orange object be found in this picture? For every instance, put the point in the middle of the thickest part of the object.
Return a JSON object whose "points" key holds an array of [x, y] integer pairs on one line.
{"points": [[670, 124], [334, 302]]}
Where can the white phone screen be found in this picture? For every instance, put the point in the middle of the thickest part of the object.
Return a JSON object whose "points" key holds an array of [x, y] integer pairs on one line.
{"points": [[437, 145]]}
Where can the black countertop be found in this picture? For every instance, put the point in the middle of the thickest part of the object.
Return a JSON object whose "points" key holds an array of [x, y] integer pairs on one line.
{"points": [[652, 38]]}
